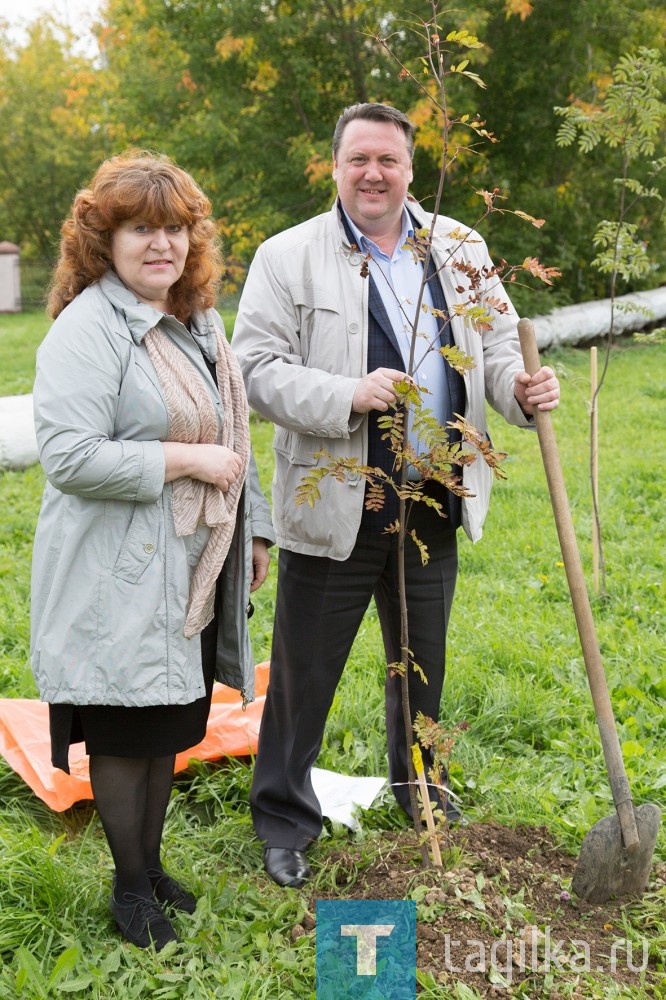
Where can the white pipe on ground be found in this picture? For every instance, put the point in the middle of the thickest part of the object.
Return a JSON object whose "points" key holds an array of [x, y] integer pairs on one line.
{"points": [[573, 325], [18, 443]]}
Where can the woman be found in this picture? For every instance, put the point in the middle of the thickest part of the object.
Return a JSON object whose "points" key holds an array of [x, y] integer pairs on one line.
{"points": [[153, 530]]}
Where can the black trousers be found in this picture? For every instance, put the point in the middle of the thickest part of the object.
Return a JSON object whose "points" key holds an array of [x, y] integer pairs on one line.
{"points": [[319, 608]]}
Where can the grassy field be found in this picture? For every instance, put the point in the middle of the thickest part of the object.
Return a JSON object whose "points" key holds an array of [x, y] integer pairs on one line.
{"points": [[531, 753]]}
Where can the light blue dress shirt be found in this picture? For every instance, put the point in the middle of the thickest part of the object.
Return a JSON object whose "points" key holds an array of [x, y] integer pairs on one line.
{"points": [[398, 279]]}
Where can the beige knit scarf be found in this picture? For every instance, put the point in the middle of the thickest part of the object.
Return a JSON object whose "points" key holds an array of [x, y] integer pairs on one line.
{"points": [[192, 418]]}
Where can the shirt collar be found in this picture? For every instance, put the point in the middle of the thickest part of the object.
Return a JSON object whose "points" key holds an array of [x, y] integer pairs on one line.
{"points": [[366, 244]]}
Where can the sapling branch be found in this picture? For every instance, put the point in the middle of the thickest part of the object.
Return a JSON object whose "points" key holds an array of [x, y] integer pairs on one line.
{"points": [[438, 458], [630, 119]]}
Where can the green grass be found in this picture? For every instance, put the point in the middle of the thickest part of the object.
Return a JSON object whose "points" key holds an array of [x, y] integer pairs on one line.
{"points": [[515, 674], [20, 336]]}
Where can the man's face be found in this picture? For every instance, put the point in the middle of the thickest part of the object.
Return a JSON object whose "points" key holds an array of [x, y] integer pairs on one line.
{"points": [[373, 170]]}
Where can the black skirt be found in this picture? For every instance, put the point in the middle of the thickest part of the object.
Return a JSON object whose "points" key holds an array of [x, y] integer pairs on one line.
{"points": [[118, 731]]}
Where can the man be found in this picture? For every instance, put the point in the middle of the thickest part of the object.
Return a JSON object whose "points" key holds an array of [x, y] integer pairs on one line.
{"points": [[321, 347]]}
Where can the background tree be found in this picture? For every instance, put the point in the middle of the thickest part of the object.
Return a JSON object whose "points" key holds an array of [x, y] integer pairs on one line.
{"points": [[249, 96], [245, 93], [630, 123], [555, 54], [50, 135]]}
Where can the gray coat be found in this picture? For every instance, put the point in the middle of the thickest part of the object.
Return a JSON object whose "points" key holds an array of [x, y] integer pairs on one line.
{"points": [[110, 578]]}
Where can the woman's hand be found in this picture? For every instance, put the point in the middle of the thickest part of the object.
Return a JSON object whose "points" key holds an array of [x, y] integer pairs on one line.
{"points": [[211, 463], [260, 563]]}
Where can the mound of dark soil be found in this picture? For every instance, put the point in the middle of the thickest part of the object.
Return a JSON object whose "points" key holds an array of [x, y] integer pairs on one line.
{"points": [[500, 917]]}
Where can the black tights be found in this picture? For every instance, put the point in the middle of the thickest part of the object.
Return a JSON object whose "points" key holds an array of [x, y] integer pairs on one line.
{"points": [[132, 795]]}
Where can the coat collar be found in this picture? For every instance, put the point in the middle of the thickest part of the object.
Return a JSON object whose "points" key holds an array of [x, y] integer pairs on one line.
{"points": [[447, 235], [141, 317]]}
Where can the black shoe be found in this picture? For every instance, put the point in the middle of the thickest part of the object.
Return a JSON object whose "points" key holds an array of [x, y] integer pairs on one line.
{"points": [[287, 867], [168, 892], [142, 921]]}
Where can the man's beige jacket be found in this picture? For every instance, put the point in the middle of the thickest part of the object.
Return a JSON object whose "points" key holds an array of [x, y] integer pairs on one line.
{"points": [[301, 339]]}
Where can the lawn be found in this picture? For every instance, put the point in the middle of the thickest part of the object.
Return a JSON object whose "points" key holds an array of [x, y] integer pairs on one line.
{"points": [[531, 756]]}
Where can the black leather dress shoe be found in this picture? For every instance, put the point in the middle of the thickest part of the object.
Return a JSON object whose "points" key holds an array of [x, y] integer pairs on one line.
{"points": [[287, 867]]}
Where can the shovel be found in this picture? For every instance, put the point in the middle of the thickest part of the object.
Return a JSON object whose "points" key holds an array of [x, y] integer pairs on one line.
{"points": [[616, 854]]}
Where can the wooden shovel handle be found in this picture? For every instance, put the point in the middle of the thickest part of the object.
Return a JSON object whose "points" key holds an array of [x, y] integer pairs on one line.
{"points": [[581, 603]]}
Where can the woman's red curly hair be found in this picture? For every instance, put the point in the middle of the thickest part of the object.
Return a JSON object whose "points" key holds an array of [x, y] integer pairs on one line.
{"points": [[150, 186]]}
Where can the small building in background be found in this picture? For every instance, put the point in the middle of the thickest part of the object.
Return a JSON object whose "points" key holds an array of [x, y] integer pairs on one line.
{"points": [[10, 278]]}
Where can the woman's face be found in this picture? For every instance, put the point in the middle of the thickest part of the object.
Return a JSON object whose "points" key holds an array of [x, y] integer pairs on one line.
{"points": [[149, 259]]}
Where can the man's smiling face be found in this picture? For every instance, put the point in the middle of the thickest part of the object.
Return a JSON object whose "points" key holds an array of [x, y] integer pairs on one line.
{"points": [[373, 170]]}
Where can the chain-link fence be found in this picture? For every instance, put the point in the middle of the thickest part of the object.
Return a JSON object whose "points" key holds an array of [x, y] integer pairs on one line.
{"points": [[35, 276]]}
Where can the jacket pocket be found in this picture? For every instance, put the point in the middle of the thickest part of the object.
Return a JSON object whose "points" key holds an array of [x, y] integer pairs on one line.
{"points": [[298, 449], [140, 542], [313, 297], [319, 326]]}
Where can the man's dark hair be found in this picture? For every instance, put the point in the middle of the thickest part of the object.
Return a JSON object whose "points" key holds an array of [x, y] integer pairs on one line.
{"points": [[374, 113]]}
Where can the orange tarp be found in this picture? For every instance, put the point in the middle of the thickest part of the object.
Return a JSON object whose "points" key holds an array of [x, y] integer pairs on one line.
{"points": [[26, 745]]}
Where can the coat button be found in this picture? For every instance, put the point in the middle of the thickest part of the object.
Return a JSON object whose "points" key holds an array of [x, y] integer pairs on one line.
{"points": [[149, 547]]}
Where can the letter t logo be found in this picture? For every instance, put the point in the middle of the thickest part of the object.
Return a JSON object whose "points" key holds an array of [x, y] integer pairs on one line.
{"points": [[352, 961], [366, 944]]}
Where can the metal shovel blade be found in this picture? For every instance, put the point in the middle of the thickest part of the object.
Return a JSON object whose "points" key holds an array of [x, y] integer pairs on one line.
{"points": [[605, 869]]}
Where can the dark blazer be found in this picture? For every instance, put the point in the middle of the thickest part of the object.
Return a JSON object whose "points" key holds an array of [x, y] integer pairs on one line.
{"points": [[384, 352]]}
